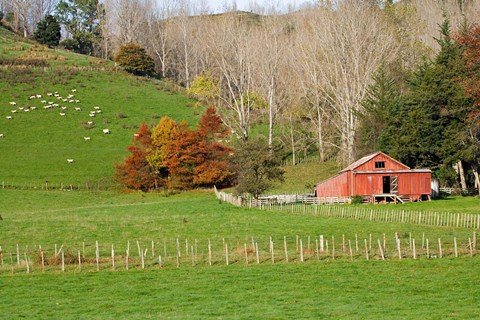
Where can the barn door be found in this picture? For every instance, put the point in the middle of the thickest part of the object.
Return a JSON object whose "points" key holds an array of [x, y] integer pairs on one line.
{"points": [[393, 184]]}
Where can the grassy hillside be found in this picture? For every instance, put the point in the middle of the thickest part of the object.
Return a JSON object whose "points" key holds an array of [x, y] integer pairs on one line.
{"points": [[36, 143]]}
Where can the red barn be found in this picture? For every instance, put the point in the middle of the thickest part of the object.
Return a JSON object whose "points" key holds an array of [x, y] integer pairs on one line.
{"points": [[378, 178]]}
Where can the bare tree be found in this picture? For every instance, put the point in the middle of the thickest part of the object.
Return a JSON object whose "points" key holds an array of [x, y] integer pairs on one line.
{"points": [[159, 28], [271, 42], [351, 40], [234, 53]]}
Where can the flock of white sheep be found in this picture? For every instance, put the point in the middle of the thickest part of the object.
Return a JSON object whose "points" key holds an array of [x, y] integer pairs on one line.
{"points": [[49, 103]]}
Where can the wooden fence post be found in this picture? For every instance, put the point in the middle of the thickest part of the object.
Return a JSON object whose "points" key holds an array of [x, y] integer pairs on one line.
{"points": [[63, 261], [226, 253], [271, 250], [113, 258], [209, 253], [285, 248], [414, 249], [301, 250], [470, 247], [350, 249], [381, 249], [246, 253], [27, 264], [256, 252], [440, 253], [455, 246], [366, 249]]}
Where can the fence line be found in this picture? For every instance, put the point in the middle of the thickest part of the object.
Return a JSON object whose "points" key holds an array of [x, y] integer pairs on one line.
{"points": [[440, 219], [60, 186], [178, 252]]}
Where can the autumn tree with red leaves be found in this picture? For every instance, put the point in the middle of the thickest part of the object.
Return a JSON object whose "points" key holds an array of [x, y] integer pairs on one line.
{"points": [[174, 156], [135, 172], [470, 41], [199, 158]]}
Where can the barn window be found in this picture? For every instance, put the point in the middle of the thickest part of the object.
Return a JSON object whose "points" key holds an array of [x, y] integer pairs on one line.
{"points": [[379, 164]]}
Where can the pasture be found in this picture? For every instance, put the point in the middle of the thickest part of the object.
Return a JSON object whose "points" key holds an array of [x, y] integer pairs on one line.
{"points": [[36, 142], [424, 288]]}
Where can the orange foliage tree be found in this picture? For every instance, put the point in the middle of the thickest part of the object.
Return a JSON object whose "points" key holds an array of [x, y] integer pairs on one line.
{"points": [[135, 172], [199, 158], [177, 157]]}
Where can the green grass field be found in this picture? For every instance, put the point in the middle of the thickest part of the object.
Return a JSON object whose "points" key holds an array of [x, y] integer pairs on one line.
{"points": [[422, 289], [33, 153]]}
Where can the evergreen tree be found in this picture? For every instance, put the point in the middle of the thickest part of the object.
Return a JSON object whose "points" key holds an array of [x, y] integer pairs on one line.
{"points": [[382, 99], [48, 31], [427, 129], [134, 59]]}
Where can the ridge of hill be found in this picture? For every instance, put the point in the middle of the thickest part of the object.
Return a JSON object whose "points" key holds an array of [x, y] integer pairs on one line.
{"points": [[47, 97]]}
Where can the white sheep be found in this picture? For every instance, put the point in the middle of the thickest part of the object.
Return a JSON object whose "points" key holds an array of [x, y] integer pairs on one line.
{"points": [[33, 108], [77, 101], [91, 115], [106, 131], [64, 108], [21, 108], [1, 135], [50, 102], [62, 114], [43, 101], [32, 97], [26, 110], [70, 161], [74, 90], [65, 100], [13, 111], [9, 117], [71, 101], [78, 109], [96, 108], [39, 96], [49, 94], [99, 111], [90, 123], [12, 103], [86, 138]]}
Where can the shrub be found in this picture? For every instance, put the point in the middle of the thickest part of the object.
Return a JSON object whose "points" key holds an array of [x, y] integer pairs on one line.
{"points": [[134, 59]]}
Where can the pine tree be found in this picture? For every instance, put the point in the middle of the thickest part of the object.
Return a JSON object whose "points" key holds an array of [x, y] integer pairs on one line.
{"points": [[48, 31]]}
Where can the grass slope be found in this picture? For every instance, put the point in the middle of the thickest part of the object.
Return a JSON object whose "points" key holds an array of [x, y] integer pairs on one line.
{"points": [[36, 144]]}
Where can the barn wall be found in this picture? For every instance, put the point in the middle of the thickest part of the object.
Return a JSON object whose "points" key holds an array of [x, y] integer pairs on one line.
{"points": [[334, 187], [389, 164], [409, 183]]}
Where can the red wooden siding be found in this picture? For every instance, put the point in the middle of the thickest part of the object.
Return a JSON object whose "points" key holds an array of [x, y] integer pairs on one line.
{"points": [[363, 179], [390, 164], [409, 183], [334, 187]]}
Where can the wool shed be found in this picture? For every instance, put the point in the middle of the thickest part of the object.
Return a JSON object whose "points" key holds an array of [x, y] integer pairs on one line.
{"points": [[377, 178]]}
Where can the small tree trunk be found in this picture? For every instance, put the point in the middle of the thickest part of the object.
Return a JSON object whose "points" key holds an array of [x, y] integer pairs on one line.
{"points": [[461, 173]]}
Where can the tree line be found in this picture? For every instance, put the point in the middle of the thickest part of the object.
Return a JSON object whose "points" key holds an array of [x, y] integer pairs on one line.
{"points": [[336, 78]]}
